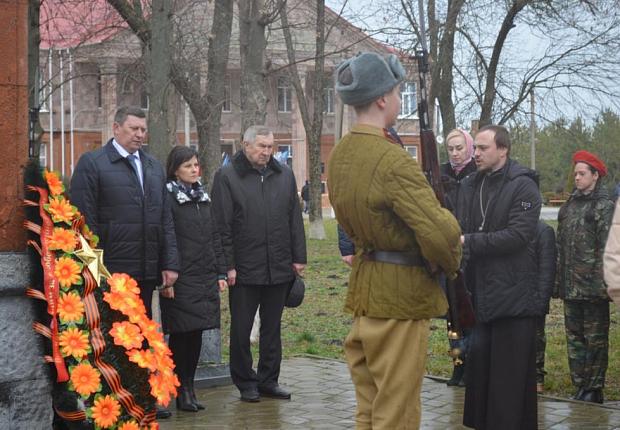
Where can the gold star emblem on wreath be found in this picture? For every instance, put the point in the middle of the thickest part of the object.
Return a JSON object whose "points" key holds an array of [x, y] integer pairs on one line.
{"points": [[93, 259]]}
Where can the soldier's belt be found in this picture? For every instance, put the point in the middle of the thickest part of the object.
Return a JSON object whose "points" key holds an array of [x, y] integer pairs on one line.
{"points": [[402, 258]]}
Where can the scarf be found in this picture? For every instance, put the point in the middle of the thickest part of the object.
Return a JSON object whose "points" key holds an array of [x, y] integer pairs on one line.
{"points": [[184, 193], [469, 143]]}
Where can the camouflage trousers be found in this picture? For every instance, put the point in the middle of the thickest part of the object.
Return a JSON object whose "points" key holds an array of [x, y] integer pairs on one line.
{"points": [[587, 338], [541, 344]]}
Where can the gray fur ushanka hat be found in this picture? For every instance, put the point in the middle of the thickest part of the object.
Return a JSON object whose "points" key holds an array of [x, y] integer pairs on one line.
{"points": [[369, 77]]}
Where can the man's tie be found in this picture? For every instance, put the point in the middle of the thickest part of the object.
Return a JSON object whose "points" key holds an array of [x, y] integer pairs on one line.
{"points": [[133, 160]]}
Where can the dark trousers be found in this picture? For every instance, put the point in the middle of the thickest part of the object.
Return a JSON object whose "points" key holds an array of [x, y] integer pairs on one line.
{"points": [[185, 349], [146, 294], [587, 339], [501, 376], [244, 300]]}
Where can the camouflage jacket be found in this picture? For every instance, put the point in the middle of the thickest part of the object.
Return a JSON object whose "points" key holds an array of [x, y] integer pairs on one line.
{"points": [[583, 226]]}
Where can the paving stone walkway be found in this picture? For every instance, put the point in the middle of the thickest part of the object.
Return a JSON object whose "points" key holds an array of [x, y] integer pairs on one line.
{"points": [[323, 398]]}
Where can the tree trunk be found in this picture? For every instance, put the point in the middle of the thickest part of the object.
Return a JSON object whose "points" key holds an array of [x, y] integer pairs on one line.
{"points": [[162, 133], [313, 124], [217, 58], [252, 44]]}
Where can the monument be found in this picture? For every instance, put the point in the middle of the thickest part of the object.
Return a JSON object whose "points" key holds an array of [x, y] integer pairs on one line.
{"points": [[25, 399]]}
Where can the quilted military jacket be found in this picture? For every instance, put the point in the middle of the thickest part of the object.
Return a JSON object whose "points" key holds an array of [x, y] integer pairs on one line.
{"points": [[383, 202]]}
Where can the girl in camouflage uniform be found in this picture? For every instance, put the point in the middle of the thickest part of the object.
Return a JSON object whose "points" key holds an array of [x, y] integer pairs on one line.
{"points": [[583, 225]]}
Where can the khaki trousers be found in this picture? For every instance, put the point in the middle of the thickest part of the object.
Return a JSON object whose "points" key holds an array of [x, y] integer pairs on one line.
{"points": [[386, 358]]}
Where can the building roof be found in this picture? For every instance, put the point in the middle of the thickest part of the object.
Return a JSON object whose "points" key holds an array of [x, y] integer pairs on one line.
{"points": [[69, 23]]}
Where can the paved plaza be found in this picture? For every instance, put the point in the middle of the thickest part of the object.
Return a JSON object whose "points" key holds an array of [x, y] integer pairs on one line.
{"points": [[323, 398]]}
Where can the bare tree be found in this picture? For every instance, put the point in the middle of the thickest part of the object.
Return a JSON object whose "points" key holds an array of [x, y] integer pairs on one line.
{"points": [[254, 17], [185, 72], [483, 68], [313, 121]]}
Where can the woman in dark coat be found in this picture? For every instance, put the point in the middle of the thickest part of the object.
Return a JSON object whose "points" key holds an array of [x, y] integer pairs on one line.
{"points": [[460, 147], [583, 225], [193, 304]]}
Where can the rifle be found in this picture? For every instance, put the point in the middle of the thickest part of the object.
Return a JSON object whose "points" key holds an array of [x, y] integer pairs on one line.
{"points": [[460, 310]]}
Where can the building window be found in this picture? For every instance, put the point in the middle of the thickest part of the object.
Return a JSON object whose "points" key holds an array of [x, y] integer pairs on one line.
{"points": [[408, 102], [227, 99], [44, 92], [144, 100], [284, 95], [127, 86], [413, 151], [285, 155], [328, 100], [43, 155], [99, 92]]}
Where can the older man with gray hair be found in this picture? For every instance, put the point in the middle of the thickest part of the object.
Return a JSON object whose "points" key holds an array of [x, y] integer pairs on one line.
{"points": [[258, 215]]}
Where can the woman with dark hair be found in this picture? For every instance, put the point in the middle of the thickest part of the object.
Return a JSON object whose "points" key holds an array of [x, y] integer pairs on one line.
{"points": [[193, 304], [583, 226], [460, 147]]}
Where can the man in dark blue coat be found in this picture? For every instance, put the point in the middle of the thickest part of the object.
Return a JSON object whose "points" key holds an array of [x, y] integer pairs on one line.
{"points": [[121, 191], [256, 207], [498, 209]]}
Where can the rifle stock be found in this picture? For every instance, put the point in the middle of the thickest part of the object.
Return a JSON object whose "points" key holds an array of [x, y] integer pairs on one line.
{"points": [[460, 313]]}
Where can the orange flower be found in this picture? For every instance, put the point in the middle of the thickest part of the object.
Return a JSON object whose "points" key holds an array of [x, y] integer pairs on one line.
{"points": [[53, 182], [85, 379], [123, 283], [115, 300], [70, 307], [62, 239], [74, 341], [143, 358], [106, 411], [129, 425], [159, 389], [68, 272], [154, 426], [126, 334], [61, 210]]}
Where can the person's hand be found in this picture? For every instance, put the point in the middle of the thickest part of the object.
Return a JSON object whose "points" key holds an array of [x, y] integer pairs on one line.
{"points": [[222, 284], [348, 259], [462, 240], [299, 269], [167, 292], [232, 277], [169, 277]]}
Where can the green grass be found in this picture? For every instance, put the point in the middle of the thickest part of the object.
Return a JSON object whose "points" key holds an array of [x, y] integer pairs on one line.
{"points": [[319, 325]]}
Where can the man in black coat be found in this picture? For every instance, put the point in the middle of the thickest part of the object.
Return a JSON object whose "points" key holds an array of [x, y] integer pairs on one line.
{"points": [[121, 190], [498, 208], [259, 219]]}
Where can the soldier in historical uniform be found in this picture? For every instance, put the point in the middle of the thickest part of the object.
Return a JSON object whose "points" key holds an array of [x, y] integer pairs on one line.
{"points": [[385, 205], [583, 226]]}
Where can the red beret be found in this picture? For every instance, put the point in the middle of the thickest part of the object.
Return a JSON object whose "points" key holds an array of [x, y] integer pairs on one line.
{"points": [[591, 160]]}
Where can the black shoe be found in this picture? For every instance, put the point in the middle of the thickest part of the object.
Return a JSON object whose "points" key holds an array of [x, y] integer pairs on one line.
{"points": [[275, 392], [192, 394], [592, 396], [250, 395], [458, 377], [162, 414], [184, 400]]}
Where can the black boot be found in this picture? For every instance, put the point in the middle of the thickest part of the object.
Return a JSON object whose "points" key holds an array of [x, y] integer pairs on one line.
{"points": [[193, 396], [184, 399], [458, 373], [592, 396]]}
